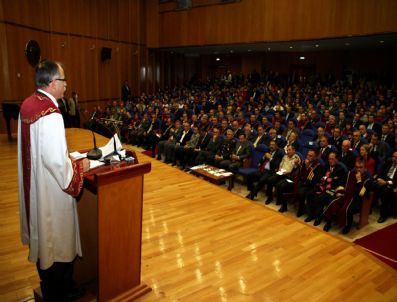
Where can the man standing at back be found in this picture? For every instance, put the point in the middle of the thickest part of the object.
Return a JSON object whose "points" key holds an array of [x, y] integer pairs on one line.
{"points": [[48, 182]]}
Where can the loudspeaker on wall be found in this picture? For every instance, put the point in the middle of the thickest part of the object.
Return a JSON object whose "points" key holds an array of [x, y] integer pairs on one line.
{"points": [[106, 54]]}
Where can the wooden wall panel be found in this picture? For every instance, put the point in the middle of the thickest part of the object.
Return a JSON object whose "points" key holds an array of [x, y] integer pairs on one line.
{"points": [[74, 32], [33, 13], [274, 20]]}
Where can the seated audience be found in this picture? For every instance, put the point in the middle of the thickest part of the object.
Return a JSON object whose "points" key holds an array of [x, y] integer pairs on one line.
{"points": [[386, 186], [269, 164], [357, 186], [327, 189], [310, 172]]}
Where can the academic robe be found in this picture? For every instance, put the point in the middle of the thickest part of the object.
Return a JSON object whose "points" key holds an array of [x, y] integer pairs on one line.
{"points": [[48, 181]]}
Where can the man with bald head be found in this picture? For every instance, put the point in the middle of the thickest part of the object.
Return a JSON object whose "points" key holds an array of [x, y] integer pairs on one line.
{"points": [[347, 155]]}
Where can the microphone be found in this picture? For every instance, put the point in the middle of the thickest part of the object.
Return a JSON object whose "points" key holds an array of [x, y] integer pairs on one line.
{"points": [[94, 153]]}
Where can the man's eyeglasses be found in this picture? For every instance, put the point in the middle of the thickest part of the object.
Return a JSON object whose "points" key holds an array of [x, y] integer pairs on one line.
{"points": [[63, 80]]}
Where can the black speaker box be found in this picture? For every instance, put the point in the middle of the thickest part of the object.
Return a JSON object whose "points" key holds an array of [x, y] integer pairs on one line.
{"points": [[106, 53]]}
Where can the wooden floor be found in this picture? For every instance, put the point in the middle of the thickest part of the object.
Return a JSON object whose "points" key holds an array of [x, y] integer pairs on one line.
{"points": [[203, 243]]}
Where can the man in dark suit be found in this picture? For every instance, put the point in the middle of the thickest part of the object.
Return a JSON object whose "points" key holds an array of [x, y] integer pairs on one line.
{"points": [[325, 148], [240, 153], [327, 189], [378, 150], [207, 153], [202, 144], [268, 166], [184, 138], [372, 125], [356, 142], [336, 138], [310, 172], [225, 149], [387, 136], [386, 185], [346, 155], [260, 138]]}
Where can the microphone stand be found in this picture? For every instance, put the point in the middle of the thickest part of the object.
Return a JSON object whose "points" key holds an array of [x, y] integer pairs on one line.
{"points": [[94, 153]]}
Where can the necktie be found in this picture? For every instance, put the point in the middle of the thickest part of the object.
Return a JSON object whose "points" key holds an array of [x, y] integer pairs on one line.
{"points": [[391, 172], [257, 140]]}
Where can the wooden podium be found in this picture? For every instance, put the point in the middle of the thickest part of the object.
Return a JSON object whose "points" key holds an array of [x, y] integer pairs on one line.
{"points": [[110, 215]]}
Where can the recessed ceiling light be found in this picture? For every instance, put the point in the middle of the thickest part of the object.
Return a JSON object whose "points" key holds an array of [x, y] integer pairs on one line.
{"points": [[218, 59], [249, 50], [317, 45], [381, 41], [302, 58], [291, 47], [347, 43], [231, 51], [268, 48]]}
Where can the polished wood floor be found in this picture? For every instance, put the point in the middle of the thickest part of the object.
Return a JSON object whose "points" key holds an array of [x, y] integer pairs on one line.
{"points": [[203, 243]]}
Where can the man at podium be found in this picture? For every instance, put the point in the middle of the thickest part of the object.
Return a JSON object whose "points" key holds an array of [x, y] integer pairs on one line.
{"points": [[49, 180]]}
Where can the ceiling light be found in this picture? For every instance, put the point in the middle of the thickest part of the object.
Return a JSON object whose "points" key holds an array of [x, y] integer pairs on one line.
{"points": [[291, 47], [381, 41], [231, 51], [302, 58], [317, 45], [268, 48], [218, 59], [347, 43], [249, 50]]}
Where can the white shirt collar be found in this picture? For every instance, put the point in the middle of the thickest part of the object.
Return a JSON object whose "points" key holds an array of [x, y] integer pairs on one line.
{"points": [[49, 95]]}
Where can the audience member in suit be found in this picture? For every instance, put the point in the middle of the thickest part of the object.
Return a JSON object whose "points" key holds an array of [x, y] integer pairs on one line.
{"points": [[327, 189], [356, 142], [347, 155], [175, 135], [324, 148], [372, 125], [153, 135], [204, 139], [292, 141], [379, 151], [225, 149], [239, 154], [289, 113], [319, 134], [181, 152], [207, 153], [224, 127], [357, 186], [269, 164], [310, 172], [248, 133], [386, 186], [356, 122], [181, 141], [236, 129], [288, 164], [365, 136], [336, 139], [387, 136], [304, 123], [163, 134], [272, 136], [260, 138], [290, 129], [63, 106], [342, 120], [369, 162]]}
